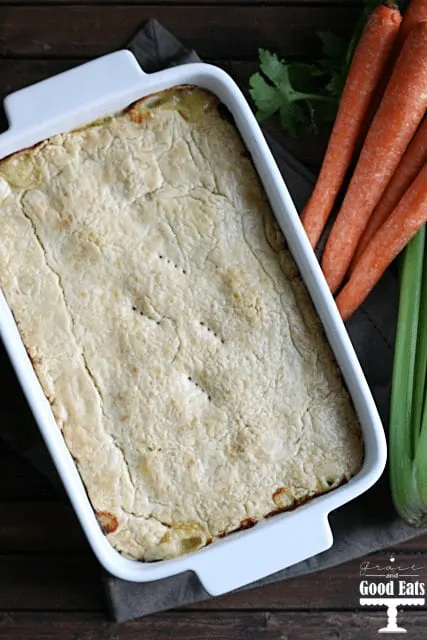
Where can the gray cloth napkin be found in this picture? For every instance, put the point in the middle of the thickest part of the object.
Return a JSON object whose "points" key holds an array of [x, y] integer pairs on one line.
{"points": [[363, 526]]}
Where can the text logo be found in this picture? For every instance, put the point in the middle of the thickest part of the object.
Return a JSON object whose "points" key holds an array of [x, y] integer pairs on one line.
{"points": [[391, 585]]}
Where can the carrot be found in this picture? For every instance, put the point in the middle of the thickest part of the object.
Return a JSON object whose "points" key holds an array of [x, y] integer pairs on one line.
{"points": [[369, 60], [407, 218], [411, 163], [401, 111], [415, 13]]}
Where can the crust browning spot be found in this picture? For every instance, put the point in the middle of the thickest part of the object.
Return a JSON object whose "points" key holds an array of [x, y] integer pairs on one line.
{"points": [[277, 495], [137, 116], [282, 498], [107, 521], [247, 523], [293, 505]]}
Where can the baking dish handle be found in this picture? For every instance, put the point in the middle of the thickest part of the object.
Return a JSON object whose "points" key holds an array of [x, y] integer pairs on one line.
{"points": [[248, 556], [90, 84]]}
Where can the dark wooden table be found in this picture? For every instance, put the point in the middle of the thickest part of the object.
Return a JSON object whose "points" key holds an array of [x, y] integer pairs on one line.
{"points": [[49, 582]]}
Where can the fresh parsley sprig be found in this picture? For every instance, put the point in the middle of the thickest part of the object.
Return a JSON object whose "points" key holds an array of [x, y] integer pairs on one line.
{"points": [[287, 88], [305, 95]]}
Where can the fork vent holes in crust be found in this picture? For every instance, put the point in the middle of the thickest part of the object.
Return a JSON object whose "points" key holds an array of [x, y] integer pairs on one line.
{"points": [[203, 324], [141, 313], [190, 379], [173, 264]]}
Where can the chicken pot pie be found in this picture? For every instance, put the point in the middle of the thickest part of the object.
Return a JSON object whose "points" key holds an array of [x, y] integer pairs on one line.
{"points": [[169, 327]]}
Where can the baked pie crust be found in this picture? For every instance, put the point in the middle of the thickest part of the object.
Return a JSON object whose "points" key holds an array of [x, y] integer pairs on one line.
{"points": [[169, 327]]}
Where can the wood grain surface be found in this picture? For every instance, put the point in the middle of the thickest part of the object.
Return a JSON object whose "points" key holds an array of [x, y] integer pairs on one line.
{"points": [[227, 32], [202, 625]]}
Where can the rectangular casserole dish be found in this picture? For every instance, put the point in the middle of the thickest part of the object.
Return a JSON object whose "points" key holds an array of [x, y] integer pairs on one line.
{"points": [[103, 87]]}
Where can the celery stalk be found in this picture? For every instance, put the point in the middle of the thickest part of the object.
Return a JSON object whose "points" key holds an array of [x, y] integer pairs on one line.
{"points": [[420, 372], [402, 475], [420, 398], [420, 467]]}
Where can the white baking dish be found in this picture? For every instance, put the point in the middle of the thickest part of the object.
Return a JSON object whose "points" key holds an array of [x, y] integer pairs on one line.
{"points": [[110, 84]]}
